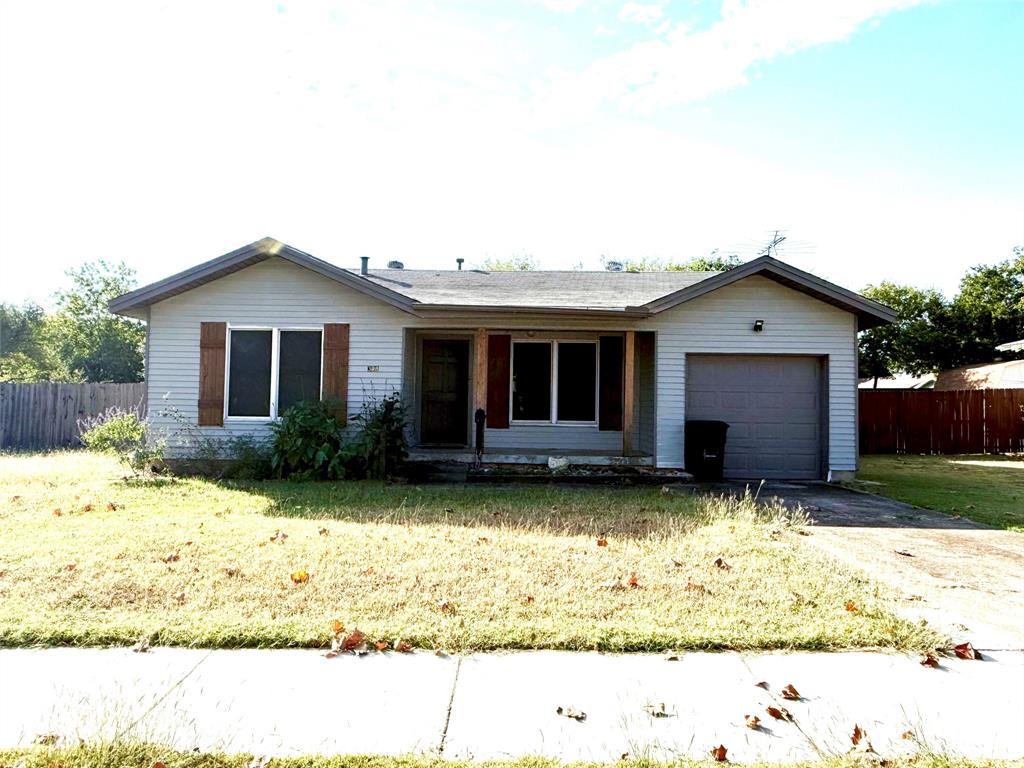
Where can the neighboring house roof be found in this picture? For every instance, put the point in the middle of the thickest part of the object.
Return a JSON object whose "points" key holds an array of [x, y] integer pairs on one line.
{"points": [[900, 381], [422, 292], [1009, 375], [1012, 346]]}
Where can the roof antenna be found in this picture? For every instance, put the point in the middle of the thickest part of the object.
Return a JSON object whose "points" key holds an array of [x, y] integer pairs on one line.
{"points": [[772, 249], [459, 262]]}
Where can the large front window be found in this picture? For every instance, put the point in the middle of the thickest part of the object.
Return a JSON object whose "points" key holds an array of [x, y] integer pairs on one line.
{"points": [[272, 369], [554, 381]]}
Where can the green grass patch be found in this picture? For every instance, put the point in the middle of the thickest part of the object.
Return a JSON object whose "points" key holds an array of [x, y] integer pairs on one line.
{"points": [[93, 558], [147, 755], [988, 489]]}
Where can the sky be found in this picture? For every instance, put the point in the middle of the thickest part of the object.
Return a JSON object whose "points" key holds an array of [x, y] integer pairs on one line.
{"points": [[885, 138]]}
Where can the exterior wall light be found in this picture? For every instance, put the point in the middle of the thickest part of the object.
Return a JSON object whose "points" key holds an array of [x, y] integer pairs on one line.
{"points": [[758, 326]]}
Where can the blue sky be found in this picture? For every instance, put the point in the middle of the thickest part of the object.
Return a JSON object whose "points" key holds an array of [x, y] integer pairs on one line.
{"points": [[886, 137]]}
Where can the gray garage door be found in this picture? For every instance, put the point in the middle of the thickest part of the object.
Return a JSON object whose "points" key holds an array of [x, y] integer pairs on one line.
{"points": [[773, 405]]}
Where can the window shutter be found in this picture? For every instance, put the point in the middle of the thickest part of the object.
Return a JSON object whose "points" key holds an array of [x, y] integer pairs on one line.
{"points": [[610, 396], [499, 366], [212, 343], [335, 374]]}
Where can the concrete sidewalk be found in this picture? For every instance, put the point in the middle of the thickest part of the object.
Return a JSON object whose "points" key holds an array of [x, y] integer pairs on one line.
{"points": [[297, 702]]}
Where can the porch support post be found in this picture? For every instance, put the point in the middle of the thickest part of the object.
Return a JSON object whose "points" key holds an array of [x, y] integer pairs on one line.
{"points": [[628, 395], [480, 370]]}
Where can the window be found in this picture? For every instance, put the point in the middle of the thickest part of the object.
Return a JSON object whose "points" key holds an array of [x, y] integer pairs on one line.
{"points": [[531, 381], [577, 374], [270, 370], [554, 381]]}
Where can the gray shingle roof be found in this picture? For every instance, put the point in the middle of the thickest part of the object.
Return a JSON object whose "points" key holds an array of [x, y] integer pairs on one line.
{"points": [[569, 290]]}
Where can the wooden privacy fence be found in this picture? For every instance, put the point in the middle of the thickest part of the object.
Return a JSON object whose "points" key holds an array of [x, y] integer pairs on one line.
{"points": [[926, 421], [44, 415]]}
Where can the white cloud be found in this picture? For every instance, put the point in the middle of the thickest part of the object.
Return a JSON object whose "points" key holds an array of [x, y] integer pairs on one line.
{"points": [[686, 65], [642, 13]]}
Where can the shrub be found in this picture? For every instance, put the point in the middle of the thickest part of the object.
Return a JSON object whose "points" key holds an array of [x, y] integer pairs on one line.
{"points": [[122, 433], [250, 459], [309, 443]]}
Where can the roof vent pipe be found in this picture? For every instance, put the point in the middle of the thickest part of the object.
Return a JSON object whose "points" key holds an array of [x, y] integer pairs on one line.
{"points": [[613, 266], [396, 265], [365, 268], [459, 262]]}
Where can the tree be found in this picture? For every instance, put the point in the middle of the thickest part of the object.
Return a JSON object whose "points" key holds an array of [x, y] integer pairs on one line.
{"points": [[92, 342], [520, 263], [714, 262], [26, 348], [989, 309], [915, 342]]}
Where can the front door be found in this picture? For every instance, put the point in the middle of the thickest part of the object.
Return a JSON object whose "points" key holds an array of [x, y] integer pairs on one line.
{"points": [[444, 388]]}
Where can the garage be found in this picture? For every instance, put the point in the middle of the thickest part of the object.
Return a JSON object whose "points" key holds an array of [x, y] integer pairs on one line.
{"points": [[773, 405]]}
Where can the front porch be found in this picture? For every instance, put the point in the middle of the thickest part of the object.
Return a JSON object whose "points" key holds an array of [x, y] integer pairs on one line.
{"points": [[524, 396]]}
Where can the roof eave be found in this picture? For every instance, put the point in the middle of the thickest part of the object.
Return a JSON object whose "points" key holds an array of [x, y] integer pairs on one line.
{"points": [[129, 304], [425, 310], [869, 313]]}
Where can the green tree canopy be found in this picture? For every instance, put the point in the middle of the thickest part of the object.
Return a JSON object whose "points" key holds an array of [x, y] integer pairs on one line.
{"points": [[714, 262], [521, 263], [26, 348]]}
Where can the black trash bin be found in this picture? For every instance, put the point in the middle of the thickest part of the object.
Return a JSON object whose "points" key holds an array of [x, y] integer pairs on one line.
{"points": [[705, 449]]}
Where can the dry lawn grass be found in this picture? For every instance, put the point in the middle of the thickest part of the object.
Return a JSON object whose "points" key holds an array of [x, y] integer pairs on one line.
{"points": [[192, 562]]}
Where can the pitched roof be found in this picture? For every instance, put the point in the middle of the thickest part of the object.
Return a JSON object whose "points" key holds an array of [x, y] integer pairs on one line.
{"points": [[541, 289], [427, 291]]}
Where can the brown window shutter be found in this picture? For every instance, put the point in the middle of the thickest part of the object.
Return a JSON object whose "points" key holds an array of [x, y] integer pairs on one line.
{"points": [[609, 416], [335, 374], [212, 345], [499, 369]]}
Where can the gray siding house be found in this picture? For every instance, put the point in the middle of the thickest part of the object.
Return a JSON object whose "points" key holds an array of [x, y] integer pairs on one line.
{"points": [[603, 367]]}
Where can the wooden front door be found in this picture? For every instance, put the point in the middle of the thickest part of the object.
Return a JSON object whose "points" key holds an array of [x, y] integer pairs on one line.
{"points": [[444, 388]]}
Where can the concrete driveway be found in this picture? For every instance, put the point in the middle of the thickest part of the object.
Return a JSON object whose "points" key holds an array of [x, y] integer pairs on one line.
{"points": [[963, 577]]}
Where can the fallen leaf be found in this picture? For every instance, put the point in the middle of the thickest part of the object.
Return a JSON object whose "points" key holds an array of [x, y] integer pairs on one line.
{"points": [[45, 739], [656, 711], [791, 693], [692, 587], [440, 654], [528, 599], [852, 607], [279, 537], [804, 532], [903, 552], [353, 641], [633, 582], [859, 737], [57, 513], [189, 542], [324, 532], [720, 563], [70, 567], [753, 722], [930, 660], [402, 647], [180, 597], [159, 764], [762, 684], [368, 572], [141, 645], [780, 713], [445, 607], [907, 735], [572, 713], [677, 563], [87, 508], [602, 542], [483, 540], [231, 571], [173, 557], [300, 577], [719, 753], [111, 506], [380, 645], [337, 628], [966, 651]]}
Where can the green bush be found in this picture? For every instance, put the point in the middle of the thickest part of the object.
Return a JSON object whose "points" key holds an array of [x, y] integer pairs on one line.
{"points": [[250, 459], [122, 433], [309, 443]]}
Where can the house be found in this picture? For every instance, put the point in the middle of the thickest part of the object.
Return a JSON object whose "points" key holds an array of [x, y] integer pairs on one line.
{"points": [[1007, 375], [603, 367], [899, 381]]}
